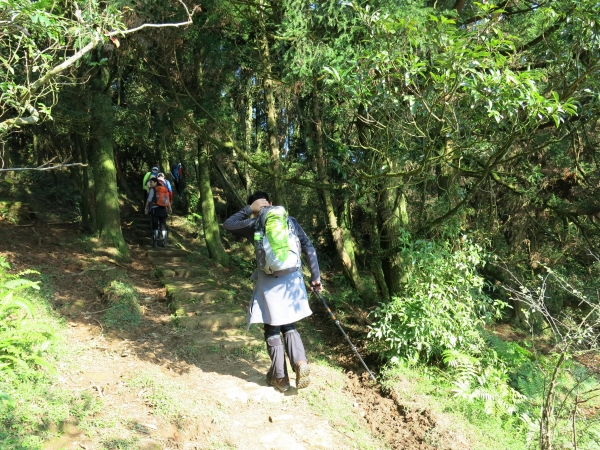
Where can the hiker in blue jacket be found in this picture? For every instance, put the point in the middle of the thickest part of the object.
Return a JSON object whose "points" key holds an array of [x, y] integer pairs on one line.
{"points": [[177, 176], [279, 300]]}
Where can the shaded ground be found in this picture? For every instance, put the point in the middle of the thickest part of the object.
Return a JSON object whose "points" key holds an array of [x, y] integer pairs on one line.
{"points": [[159, 386]]}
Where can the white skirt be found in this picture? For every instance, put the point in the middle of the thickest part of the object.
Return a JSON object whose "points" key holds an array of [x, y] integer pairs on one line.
{"points": [[278, 300]]}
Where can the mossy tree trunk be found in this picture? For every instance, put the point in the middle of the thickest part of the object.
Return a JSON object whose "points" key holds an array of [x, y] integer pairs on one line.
{"points": [[209, 218], [248, 138], [271, 111], [80, 151], [242, 168], [341, 235], [108, 218], [392, 217]]}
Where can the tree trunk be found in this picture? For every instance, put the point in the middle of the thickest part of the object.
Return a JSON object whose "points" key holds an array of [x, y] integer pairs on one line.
{"points": [[240, 203], [342, 238], [86, 222], [376, 256], [37, 150], [242, 167], [248, 140], [265, 57], [108, 218], [164, 157], [209, 219], [392, 217], [89, 175], [161, 156], [122, 181]]}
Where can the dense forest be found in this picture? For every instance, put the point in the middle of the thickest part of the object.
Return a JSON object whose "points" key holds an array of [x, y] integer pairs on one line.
{"points": [[442, 155]]}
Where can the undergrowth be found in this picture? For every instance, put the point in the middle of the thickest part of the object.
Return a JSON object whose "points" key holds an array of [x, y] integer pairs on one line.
{"points": [[432, 388], [31, 348], [528, 394]]}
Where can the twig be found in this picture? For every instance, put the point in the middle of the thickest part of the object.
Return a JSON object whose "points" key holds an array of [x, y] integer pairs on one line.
{"points": [[99, 389], [116, 263], [101, 327]]}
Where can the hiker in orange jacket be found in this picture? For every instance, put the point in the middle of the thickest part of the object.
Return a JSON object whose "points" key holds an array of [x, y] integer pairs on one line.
{"points": [[158, 205]]}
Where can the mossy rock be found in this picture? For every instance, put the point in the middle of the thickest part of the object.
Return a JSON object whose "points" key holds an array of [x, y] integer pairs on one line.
{"points": [[125, 311], [212, 322], [182, 272]]}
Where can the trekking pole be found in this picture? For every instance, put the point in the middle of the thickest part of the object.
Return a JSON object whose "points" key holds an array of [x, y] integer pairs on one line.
{"points": [[352, 346]]}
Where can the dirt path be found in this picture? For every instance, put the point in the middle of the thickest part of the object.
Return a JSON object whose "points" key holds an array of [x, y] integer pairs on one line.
{"points": [[189, 376], [178, 380]]}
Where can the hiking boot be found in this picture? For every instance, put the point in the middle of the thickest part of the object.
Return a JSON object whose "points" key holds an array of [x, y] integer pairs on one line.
{"points": [[302, 375], [283, 384]]}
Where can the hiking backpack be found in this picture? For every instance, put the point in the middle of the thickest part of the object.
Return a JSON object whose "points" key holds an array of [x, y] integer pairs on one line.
{"points": [[276, 245], [147, 177], [161, 195]]}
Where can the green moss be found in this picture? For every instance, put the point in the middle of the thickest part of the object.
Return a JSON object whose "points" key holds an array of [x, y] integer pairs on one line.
{"points": [[125, 311]]}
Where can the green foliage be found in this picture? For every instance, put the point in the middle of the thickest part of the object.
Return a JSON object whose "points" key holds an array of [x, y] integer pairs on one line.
{"points": [[428, 386], [125, 311], [194, 199], [30, 400], [485, 380], [23, 341], [36, 37], [443, 307]]}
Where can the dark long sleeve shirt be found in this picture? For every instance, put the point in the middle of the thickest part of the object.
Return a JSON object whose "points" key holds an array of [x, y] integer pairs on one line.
{"points": [[242, 224]]}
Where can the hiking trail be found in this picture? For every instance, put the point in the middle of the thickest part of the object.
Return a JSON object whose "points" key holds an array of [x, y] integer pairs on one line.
{"points": [[189, 377]]}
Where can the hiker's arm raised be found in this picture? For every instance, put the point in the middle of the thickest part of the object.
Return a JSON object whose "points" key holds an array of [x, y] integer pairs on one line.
{"points": [[240, 222]]}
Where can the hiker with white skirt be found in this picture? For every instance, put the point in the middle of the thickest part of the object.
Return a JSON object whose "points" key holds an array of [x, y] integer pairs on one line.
{"points": [[279, 299]]}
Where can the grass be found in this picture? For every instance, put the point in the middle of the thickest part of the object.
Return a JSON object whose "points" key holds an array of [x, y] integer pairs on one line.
{"points": [[121, 443]]}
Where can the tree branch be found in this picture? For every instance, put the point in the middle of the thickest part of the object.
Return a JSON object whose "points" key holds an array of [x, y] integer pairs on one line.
{"points": [[96, 38], [16, 169]]}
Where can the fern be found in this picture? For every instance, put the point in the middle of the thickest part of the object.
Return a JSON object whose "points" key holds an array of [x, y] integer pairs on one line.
{"points": [[22, 340], [483, 380]]}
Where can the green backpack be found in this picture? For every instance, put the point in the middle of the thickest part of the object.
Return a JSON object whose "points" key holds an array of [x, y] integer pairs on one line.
{"points": [[276, 244]]}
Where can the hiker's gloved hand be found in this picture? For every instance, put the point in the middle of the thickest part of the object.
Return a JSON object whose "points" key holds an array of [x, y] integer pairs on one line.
{"points": [[316, 286], [259, 204], [146, 211]]}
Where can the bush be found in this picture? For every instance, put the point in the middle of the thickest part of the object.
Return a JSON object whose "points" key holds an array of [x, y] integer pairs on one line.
{"points": [[443, 307]]}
